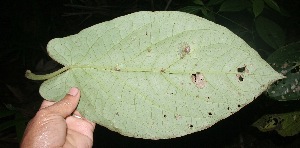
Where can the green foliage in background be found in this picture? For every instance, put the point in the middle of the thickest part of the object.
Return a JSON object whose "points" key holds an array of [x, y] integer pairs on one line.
{"points": [[10, 117], [287, 124], [286, 60], [268, 30]]}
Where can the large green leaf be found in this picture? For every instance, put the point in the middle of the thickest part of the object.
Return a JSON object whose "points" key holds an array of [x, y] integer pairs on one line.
{"points": [[286, 124], [191, 9], [157, 75]]}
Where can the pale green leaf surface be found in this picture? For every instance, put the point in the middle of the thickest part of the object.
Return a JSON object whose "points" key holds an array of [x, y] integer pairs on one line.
{"points": [[137, 73]]}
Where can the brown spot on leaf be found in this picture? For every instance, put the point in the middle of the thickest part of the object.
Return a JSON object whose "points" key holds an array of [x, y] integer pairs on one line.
{"points": [[184, 49], [177, 116]]}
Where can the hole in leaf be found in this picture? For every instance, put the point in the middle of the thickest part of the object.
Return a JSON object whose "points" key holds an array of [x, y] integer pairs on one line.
{"points": [[294, 64], [239, 105], [240, 77], [272, 120], [210, 113], [165, 116], [241, 69], [198, 80], [296, 69], [191, 126], [228, 108]]}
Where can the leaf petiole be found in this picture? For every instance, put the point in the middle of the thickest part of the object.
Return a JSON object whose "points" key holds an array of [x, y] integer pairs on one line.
{"points": [[32, 76]]}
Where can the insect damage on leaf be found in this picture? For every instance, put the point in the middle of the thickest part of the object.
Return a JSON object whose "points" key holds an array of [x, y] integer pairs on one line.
{"points": [[184, 49], [198, 80], [242, 71]]}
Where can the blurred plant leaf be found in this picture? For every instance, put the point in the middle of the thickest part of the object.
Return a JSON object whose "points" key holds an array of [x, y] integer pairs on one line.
{"points": [[214, 2], [208, 14], [270, 32], [6, 112], [272, 4], [191, 9], [18, 121], [7, 124], [234, 5], [20, 125], [258, 7], [286, 60], [286, 124], [198, 2]]}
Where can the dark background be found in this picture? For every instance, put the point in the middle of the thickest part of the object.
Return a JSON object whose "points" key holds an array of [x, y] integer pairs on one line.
{"points": [[27, 26]]}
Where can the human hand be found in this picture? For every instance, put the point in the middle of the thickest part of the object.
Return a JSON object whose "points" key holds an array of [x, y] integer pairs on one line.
{"points": [[55, 126]]}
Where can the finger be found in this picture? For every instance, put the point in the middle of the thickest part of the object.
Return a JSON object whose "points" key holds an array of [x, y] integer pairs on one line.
{"points": [[46, 103], [81, 125], [79, 116], [67, 105]]}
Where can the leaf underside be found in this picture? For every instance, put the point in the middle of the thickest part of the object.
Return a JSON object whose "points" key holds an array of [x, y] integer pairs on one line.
{"points": [[157, 75]]}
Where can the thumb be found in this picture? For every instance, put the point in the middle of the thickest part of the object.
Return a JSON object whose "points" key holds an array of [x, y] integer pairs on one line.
{"points": [[67, 105]]}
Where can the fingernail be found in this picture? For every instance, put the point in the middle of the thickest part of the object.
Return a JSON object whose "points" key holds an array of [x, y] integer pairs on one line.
{"points": [[73, 91]]}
